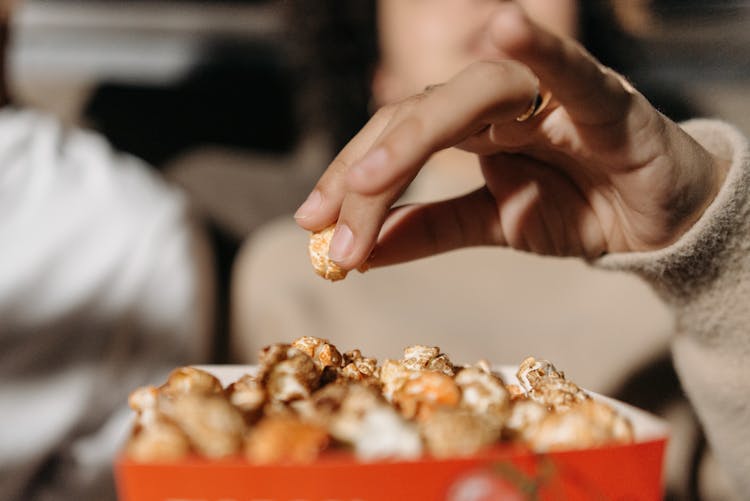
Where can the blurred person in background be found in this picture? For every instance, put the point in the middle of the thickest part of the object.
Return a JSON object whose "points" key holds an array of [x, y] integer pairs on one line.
{"points": [[498, 304], [105, 285]]}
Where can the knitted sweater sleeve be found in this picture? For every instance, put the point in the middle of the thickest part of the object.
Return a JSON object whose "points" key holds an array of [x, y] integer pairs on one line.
{"points": [[705, 279]]}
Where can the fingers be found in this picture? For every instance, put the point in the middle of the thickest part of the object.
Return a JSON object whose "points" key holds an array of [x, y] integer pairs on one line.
{"points": [[415, 231], [359, 223], [591, 93], [322, 206], [366, 178], [488, 93], [484, 93], [526, 206]]}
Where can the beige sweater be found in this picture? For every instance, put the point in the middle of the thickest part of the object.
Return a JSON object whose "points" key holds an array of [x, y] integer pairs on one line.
{"points": [[705, 279]]}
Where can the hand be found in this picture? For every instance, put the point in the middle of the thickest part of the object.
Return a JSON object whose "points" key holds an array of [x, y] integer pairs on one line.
{"points": [[599, 170]]}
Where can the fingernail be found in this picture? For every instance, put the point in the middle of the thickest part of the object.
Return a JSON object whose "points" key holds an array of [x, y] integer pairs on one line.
{"points": [[341, 244], [309, 206], [364, 267], [371, 163]]}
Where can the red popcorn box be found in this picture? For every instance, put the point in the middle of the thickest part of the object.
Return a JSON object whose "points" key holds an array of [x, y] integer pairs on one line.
{"points": [[631, 471]]}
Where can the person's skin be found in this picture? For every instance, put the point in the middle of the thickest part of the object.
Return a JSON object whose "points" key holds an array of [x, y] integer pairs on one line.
{"points": [[599, 171], [423, 42]]}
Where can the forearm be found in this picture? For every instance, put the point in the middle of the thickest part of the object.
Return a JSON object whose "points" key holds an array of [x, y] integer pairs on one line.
{"points": [[705, 278]]}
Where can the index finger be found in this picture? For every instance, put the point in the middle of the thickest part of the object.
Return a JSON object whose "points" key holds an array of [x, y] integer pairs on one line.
{"points": [[486, 92]]}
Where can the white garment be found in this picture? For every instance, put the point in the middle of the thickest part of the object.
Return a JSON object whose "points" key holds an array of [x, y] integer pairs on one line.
{"points": [[101, 276]]}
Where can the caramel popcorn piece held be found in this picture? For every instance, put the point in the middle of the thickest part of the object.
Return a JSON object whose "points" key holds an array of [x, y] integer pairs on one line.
{"points": [[320, 242]]}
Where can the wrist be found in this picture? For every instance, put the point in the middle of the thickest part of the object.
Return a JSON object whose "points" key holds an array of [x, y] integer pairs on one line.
{"points": [[703, 253], [696, 189]]}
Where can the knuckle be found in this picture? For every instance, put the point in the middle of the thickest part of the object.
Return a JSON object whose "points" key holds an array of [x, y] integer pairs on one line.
{"points": [[328, 183], [516, 78], [391, 114], [408, 105], [338, 166], [515, 29], [385, 112]]}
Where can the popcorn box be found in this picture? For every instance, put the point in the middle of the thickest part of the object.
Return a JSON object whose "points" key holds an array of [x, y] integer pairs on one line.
{"points": [[506, 471]]}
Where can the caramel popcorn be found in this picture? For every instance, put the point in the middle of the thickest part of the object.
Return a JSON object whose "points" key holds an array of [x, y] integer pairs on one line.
{"points": [[372, 427], [212, 424], [144, 399], [307, 397], [393, 375], [285, 439], [159, 440], [320, 242], [321, 351], [548, 386], [588, 424], [384, 434], [422, 394], [359, 368], [356, 402], [247, 394], [324, 404], [458, 432], [417, 358], [483, 392], [191, 381], [288, 373], [524, 415], [428, 358]]}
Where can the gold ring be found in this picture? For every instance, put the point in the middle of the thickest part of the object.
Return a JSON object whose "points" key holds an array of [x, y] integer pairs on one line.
{"points": [[537, 105]]}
